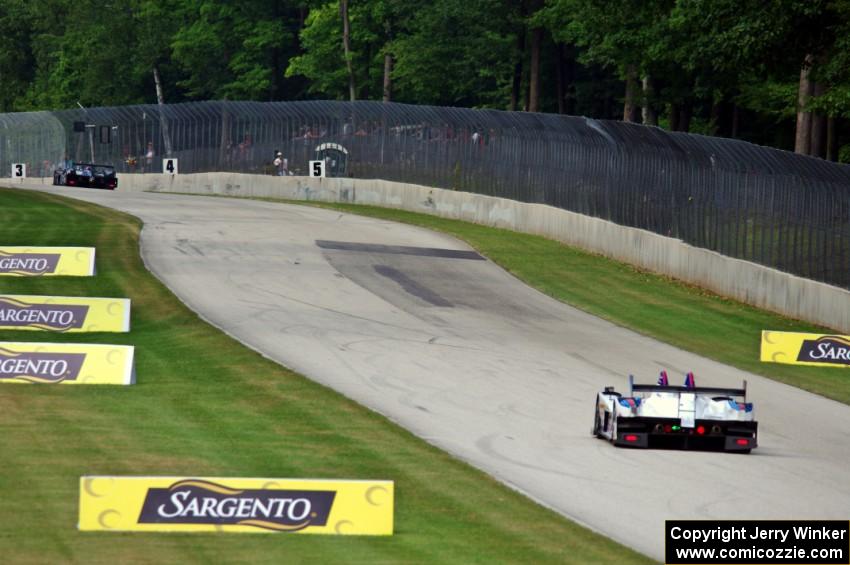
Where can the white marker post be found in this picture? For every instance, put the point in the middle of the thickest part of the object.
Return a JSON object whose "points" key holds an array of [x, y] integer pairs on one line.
{"points": [[317, 169], [19, 170], [169, 166]]}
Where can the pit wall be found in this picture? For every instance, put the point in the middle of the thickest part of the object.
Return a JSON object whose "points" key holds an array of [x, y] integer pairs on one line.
{"points": [[747, 282]]}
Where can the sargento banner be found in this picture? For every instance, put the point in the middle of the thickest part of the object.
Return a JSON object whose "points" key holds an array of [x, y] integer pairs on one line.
{"points": [[66, 363], [64, 313], [823, 350], [47, 261], [186, 504]]}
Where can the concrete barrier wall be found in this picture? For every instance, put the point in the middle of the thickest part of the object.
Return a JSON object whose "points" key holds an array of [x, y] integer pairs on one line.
{"points": [[747, 282]]}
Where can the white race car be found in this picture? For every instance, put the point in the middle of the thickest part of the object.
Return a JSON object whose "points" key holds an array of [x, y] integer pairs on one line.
{"points": [[663, 415]]}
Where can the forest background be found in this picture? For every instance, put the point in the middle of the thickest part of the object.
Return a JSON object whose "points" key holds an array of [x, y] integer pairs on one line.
{"points": [[775, 73]]}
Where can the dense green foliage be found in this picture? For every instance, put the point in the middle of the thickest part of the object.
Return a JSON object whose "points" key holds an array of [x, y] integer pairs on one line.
{"points": [[720, 67]]}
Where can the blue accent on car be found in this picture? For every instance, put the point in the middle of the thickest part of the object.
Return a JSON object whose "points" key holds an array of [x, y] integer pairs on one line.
{"points": [[745, 406], [630, 402]]}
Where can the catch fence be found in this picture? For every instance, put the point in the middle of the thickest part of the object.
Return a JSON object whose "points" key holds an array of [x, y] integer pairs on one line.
{"points": [[755, 203]]}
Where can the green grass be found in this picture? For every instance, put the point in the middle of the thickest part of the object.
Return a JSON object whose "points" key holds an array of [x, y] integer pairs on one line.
{"points": [[682, 315], [206, 405]]}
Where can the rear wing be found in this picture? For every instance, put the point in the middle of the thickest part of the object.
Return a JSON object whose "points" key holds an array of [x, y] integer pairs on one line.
{"points": [[720, 391]]}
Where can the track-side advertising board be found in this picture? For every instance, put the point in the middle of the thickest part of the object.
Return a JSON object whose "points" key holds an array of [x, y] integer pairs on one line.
{"points": [[46, 261], [238, 505], [66, 363], [793, 348], [64, 313]]}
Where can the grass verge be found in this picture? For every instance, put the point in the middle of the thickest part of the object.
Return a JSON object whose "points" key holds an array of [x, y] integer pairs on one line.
{"points": [[682, 315], [206, 405]]}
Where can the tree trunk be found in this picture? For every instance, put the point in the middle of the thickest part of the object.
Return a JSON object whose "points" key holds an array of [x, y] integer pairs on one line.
{"points": [[559, 78], [736, 120], [163, 122], [631, 110], [818, 141], [649, 114], [569, 82], [517, 81], [803, 137], [534, 74], [346, 45], [716, 120], [675, 114], [831, 139], [160, 97], [685, 116], [388, 85]]}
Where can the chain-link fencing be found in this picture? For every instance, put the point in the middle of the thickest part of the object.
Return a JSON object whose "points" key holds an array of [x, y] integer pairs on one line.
{"points": [[754, 203]]}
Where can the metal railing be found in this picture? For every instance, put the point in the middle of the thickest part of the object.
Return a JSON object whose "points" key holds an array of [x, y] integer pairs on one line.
{"points": [[755, 203]]}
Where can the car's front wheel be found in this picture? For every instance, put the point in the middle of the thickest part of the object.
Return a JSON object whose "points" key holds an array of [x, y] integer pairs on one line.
{"points": [[613, 424]]}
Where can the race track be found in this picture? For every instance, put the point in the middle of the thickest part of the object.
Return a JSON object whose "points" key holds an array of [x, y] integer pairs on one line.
{"points": [[462, 354]]}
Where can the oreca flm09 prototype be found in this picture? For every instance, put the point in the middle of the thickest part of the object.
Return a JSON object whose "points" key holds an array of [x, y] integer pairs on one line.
{"points": [[664, 415]]}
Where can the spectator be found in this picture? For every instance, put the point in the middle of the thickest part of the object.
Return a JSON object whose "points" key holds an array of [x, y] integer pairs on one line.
{"points": [[281, 164], [149, 155], [245, 150]]}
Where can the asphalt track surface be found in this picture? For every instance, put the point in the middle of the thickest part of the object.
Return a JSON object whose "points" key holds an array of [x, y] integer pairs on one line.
{"points": [[456, 350]]}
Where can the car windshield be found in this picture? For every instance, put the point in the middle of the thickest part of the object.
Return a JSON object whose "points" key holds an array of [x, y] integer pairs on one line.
{"points": [[99, 170]]}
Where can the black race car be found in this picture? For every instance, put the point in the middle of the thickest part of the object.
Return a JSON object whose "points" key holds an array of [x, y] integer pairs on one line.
{"points": [[86, 174]]}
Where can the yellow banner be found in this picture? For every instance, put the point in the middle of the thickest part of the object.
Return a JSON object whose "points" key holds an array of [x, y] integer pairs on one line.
{"points": [[66, 363], [822, 350], [47, 261], [215, 504], [64, 313]]}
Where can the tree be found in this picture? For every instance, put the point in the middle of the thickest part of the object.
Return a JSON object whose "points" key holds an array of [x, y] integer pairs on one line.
{"points": [[17, 63], [457, 52], [231, 50], [324, 61], [346, 44], [757, 46], [617, 35], [71, 61]]}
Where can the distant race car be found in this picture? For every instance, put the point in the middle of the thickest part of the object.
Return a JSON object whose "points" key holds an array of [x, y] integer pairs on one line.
{"points": [[86, 174], [663, 415]]}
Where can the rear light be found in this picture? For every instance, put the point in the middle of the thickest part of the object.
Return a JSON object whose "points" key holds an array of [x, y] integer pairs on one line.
{"points": [[742, 441], [668, 428], [630, 437], [72, 182], [700, 430], [716, 429]]}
